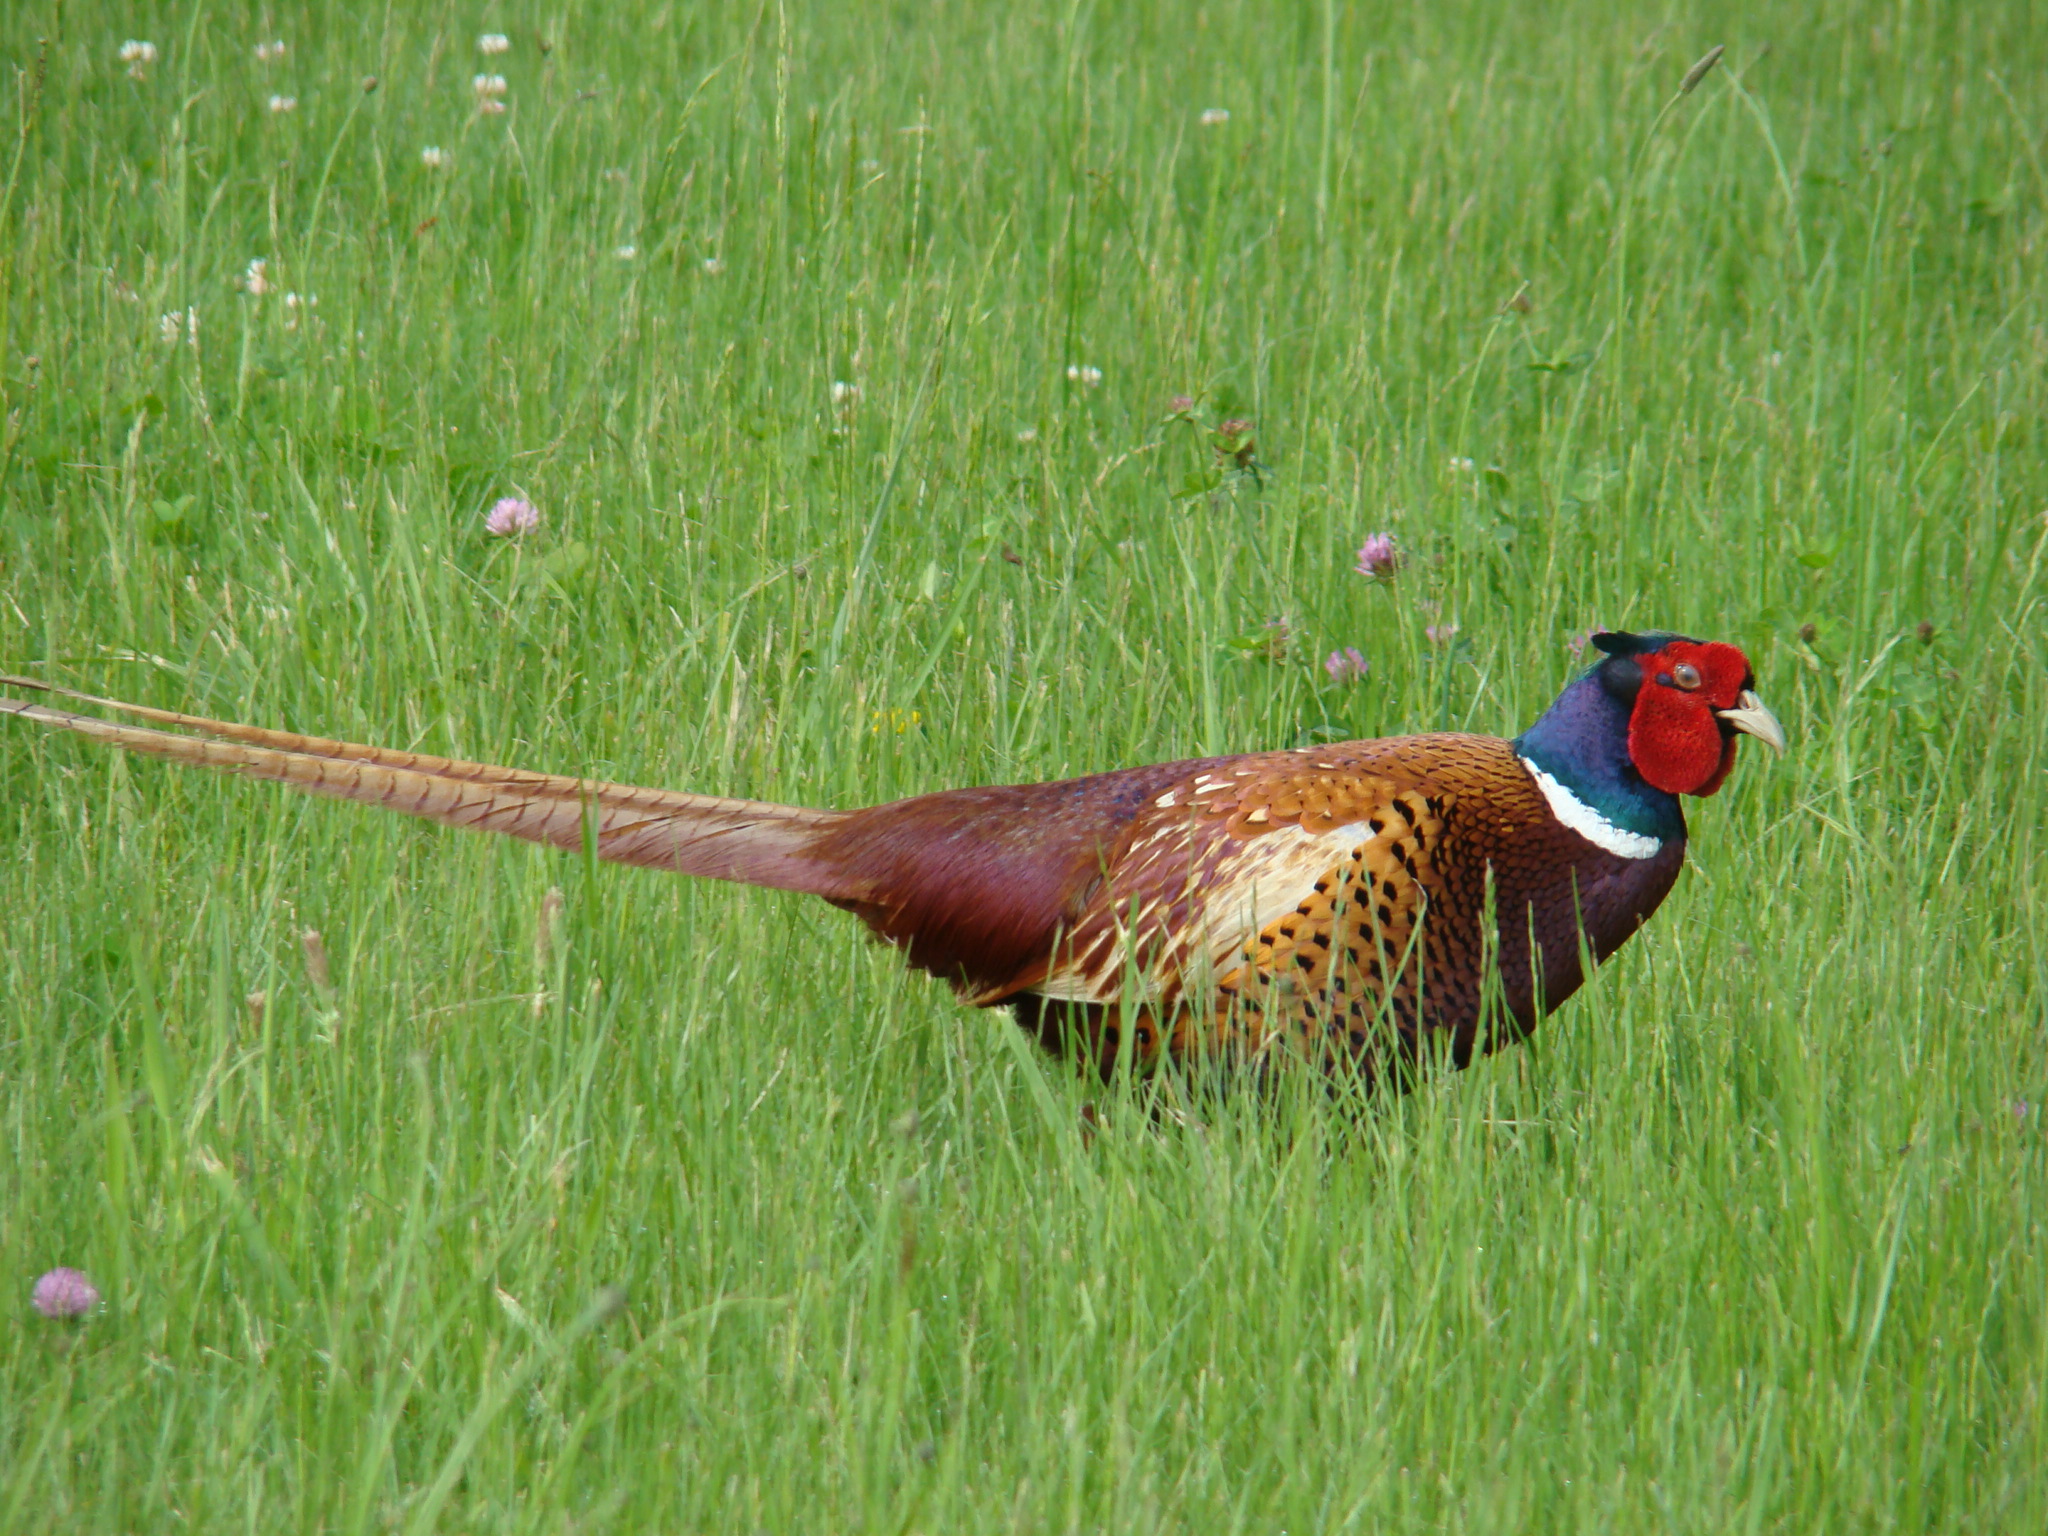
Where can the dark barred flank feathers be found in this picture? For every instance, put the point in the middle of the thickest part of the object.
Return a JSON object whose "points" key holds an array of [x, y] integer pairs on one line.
{"points": [[1332, 902]]}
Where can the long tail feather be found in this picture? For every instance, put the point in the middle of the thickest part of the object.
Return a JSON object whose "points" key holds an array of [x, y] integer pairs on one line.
{"points": [[750, 841]]}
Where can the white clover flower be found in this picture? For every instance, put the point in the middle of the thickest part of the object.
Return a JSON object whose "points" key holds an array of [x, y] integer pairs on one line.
{"points": [[256, 280], [713, 265], [1461, 466], [270, 53], [295, 306], [284, 103], [435, 158], [843, 393], [135, 52], [169, 326], [511, 515], [493, 42], [1215, 117], [488, 85], [1083, 375], [627, 252]]}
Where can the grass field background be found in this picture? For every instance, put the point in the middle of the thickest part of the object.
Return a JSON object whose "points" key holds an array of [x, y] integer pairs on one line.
{"points": [[786, 318]]}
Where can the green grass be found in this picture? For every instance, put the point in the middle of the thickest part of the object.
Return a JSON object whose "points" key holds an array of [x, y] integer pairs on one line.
{"points": [[1749, 1239]]}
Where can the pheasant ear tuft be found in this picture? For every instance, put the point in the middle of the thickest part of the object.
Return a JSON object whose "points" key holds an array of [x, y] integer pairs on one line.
{"points": [[1619, 642]]}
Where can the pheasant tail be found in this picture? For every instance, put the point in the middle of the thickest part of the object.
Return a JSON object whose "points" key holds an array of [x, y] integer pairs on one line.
{"points": [[745, 840]]}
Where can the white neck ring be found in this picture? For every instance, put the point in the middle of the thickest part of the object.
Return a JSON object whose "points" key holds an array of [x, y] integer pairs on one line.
{"points": [[1589, 823]]}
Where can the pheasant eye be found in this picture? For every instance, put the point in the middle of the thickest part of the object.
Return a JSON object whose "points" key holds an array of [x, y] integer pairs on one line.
{"points": [[1686, 675]]}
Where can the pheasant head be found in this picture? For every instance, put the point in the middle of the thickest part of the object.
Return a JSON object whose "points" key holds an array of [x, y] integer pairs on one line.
{"points": [[1657, 717]]}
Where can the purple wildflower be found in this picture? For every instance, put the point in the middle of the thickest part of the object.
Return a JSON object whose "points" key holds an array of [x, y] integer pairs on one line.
{"points": [[511, 514], [1440, 634], [1377, 556], [1347, 666], [65, 1293], [1578, 643], [1180, 405]]}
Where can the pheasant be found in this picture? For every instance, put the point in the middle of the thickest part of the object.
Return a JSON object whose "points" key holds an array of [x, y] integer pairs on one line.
{"points": [[1360, 902]]}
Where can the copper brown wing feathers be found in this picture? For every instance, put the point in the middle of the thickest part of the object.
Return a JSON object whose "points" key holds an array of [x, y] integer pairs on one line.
{"points": [[975, 885]]}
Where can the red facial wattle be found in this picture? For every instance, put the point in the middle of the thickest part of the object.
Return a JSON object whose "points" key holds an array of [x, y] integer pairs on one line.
{"points": [[1675, 739]]}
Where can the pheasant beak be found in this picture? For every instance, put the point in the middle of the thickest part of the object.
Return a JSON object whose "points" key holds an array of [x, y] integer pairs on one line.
{"points": [[1750, 716]]}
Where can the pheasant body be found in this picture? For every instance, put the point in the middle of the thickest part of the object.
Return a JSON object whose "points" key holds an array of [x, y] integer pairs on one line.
{"points": [[1350, 903], [1230, 904]]}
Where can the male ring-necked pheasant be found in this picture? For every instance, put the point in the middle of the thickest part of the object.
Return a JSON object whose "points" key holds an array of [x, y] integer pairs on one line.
{"points": [[1343, 899]]}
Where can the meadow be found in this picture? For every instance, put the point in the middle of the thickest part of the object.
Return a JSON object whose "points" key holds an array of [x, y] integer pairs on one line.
{"points": [[866, 369]]}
